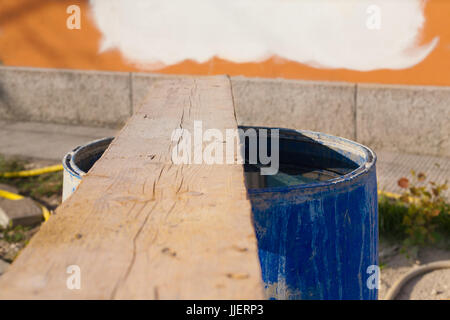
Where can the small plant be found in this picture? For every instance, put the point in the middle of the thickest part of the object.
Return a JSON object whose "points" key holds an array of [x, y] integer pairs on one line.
{"points": [[13, 234], [391, 212], [427, 214], [419, 216]]}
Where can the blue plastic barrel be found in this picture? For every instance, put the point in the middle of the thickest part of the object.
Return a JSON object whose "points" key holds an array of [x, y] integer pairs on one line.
{"points": [[316, 221]]}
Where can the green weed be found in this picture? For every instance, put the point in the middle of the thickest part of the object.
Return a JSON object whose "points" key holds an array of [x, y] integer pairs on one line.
{"points": [[421, 216]]}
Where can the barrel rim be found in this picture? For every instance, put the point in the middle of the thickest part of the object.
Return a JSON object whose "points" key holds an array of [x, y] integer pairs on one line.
{"points": [[364, 168], [68, 161], [66, 164], [74, 170]]}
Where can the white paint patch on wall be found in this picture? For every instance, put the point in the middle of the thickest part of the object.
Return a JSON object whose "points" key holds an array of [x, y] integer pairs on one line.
{"points": [[320, 33]]}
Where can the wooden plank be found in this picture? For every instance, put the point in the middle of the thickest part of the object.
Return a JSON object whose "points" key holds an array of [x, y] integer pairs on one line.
{"points": [[140, 226]]}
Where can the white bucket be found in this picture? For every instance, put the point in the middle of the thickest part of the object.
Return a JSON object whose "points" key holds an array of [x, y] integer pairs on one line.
{"points": [[78, 162]]}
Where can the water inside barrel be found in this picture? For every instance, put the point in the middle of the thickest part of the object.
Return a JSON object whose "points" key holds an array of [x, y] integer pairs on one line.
{"points": [[288, 175]]}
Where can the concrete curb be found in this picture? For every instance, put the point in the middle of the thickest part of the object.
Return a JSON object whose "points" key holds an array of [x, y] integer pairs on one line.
{"points": [[410, 119]]}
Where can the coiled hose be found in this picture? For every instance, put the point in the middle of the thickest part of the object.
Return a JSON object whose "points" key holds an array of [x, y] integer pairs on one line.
{"points": [[398, 285], [30, 173]]}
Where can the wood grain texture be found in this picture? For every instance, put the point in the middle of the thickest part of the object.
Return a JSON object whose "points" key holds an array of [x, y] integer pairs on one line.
{"points": [[142, 227]]}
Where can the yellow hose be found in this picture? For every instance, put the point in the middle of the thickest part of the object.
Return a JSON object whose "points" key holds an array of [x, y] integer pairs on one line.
{"points": [[397, 196], [13, 196], [29, 173], [389, 194], [9, 195]]}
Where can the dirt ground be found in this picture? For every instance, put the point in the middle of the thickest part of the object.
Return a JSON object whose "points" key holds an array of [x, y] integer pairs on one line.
{"points": [[434, 285]]}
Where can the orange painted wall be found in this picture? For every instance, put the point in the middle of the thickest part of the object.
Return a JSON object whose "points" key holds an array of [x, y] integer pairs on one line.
{"points": [[33, 33]]}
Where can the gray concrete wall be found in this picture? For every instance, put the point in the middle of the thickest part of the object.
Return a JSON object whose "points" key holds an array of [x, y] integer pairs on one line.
{"points": [[410, 119], [318, 106], [404, 118], [63, 96]]}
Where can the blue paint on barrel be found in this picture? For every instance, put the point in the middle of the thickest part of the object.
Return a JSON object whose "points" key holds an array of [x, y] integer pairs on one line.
{"points": [[317, 239]]}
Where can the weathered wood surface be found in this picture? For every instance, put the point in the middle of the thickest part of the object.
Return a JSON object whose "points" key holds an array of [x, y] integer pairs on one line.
{"points": [[142, 227]]}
